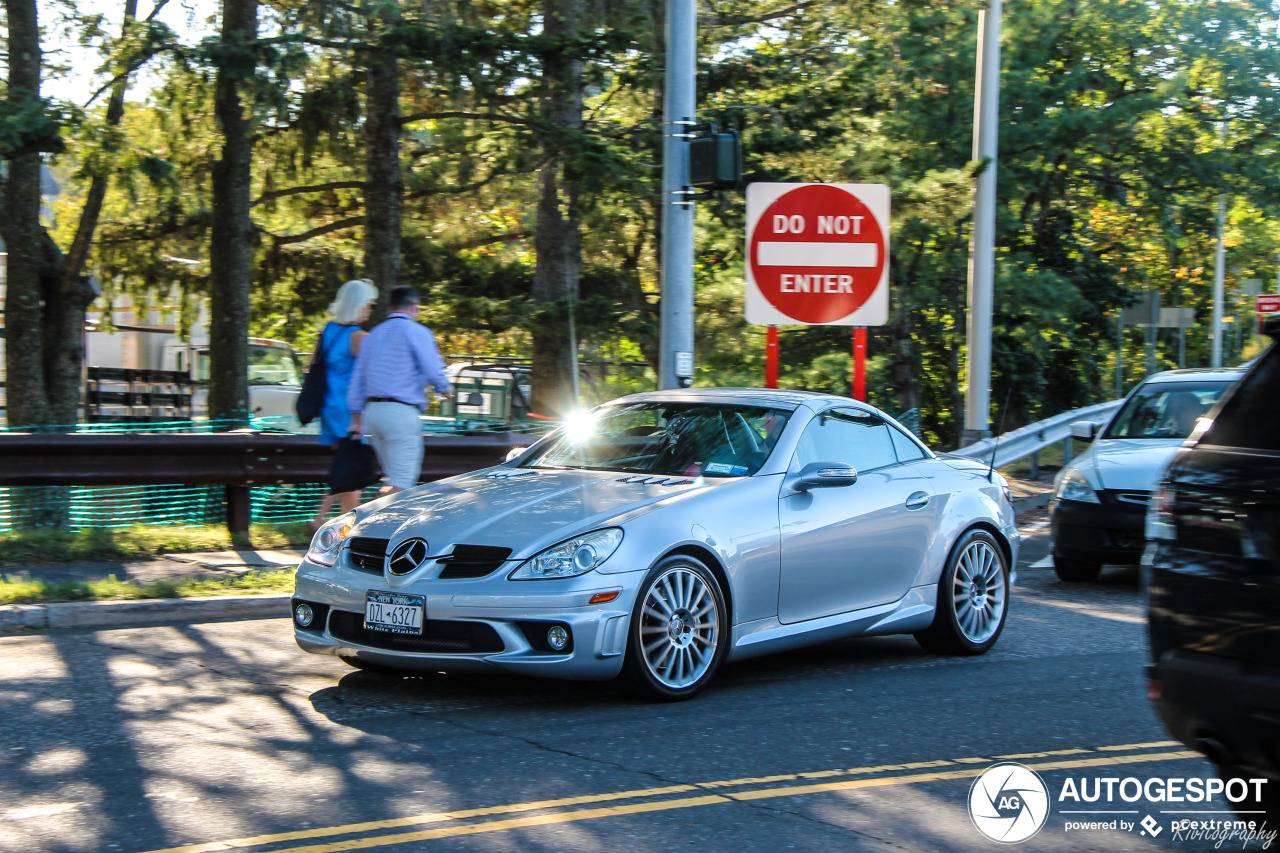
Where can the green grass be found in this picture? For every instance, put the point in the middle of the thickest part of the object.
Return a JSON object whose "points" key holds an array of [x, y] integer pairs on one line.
{"points": [[21, 589], [98, 545]]}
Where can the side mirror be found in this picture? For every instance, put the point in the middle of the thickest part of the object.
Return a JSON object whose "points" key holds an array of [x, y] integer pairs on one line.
{"points": [[822, 475], [1085, 430]]}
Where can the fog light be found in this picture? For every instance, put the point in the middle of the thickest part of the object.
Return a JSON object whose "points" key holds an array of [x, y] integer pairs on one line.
{"points": [[557, 638], [303, 615]]}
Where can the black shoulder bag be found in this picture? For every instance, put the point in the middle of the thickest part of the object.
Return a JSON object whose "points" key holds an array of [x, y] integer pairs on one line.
{"points": [[311, 398]]}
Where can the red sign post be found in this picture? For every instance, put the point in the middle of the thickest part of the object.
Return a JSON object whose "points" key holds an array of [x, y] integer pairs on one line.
{"points": [[1266, 304], [818, 254]]}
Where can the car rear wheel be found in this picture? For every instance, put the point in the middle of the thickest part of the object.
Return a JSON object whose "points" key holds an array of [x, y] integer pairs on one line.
{"points": [[679, 631], [973, 598], [1075, 571]]}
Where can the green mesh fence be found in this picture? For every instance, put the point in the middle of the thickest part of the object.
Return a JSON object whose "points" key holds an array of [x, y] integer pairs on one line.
{"points": [[22, 508], [189, 506]]}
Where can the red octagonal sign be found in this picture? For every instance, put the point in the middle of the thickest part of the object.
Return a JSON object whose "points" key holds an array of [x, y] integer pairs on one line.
{"points": [[817, 254]]}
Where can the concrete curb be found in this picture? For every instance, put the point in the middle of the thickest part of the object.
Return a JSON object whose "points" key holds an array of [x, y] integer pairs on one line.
{"points": [[1030, 502], [123, 614]]}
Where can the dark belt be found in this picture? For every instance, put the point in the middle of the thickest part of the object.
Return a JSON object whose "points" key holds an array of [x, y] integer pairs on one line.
{"points": [[385, 400]]}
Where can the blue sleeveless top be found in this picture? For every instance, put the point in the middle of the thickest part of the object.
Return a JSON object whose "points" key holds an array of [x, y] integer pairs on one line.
{"points": [[338, 362]]}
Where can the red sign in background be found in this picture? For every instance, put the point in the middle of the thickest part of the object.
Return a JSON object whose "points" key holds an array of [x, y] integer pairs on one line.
{"points": [[807, 281], [1266, 304]]}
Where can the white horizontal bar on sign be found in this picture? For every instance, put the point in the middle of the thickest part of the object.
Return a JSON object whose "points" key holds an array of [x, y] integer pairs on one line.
{"points": [[818, 254]]}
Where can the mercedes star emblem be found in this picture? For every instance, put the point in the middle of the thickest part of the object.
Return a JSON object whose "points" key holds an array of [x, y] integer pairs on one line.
{"points": [[407, 556]]}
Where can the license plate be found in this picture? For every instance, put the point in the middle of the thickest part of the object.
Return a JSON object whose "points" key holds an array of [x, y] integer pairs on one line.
{"points": [[394, 612]]}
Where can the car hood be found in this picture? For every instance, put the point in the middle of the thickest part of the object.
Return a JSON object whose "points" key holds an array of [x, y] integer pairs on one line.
{"points": [[1131, 464], [522, 509]]}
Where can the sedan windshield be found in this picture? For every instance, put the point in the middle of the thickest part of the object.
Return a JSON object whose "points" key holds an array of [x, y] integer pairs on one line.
{"points": [[1166, 410], [669, 439]]}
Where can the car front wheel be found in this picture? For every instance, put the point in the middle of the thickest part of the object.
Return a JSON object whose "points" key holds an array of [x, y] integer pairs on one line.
{"points": [[973, 598], [679, 631]]}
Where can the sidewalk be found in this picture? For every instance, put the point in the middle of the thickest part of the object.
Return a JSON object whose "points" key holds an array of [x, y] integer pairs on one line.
{"points": [[1028, 497]]}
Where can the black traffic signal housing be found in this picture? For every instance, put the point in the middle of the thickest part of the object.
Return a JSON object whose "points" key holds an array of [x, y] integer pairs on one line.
{"points": [[715, 159]]}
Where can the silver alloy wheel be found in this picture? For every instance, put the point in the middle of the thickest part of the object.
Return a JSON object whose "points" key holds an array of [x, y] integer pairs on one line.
{"points": [[679, 627], [978, 591]]}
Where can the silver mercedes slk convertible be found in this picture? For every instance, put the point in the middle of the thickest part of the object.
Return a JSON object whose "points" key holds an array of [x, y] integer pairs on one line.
{"points": [[661, 534]]}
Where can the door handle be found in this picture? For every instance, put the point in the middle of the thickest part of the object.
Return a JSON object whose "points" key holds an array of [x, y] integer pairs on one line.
{"points": [[917, 500]]}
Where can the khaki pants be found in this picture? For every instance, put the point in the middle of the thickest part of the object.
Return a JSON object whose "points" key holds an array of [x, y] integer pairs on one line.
{"points": [[395, 431]]}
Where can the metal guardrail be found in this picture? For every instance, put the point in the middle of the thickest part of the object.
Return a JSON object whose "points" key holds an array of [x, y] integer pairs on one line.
{"points": [[238, 461], [1039, 436]]}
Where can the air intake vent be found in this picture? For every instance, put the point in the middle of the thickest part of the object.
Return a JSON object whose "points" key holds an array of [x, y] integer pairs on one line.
{"points": [[438, 636], [472, 561], [367, 554]]}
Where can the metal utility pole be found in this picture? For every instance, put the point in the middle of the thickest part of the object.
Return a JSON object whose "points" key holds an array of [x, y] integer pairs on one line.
{"points": [[675, 366], [1219, 270], [986, 113]]}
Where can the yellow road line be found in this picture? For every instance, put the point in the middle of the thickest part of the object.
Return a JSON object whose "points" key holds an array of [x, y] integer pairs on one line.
{"points": [[882, 781], [1125, 747], [429, 817], [664, 805], [513, 823], [1020, 755]]}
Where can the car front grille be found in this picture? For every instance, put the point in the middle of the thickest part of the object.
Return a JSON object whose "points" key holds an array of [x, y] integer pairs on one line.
{"points": [[472, 561], [438, 636], [367, 554]]}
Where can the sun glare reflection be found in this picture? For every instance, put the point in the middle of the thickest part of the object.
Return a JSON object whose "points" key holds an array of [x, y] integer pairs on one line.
{"points": [[580, 426]]}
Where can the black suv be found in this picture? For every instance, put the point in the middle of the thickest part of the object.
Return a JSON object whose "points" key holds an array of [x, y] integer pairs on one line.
{"points": [[1212, 568]]}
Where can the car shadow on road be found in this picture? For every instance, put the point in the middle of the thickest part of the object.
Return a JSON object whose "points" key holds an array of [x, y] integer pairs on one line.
{"points": [[361, 695]]}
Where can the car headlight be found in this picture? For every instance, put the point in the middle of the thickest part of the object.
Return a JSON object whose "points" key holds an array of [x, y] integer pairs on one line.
{"points": [[328, 540], [575, 556], [1075, 487]]}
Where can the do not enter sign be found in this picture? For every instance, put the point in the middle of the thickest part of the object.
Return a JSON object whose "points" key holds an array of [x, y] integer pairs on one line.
{"points": [[817, 254]]}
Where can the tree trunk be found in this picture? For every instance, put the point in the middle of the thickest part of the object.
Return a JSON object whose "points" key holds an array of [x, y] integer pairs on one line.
{"points": [[25, 389], [558, 241], [232, 235], [384, 184]]}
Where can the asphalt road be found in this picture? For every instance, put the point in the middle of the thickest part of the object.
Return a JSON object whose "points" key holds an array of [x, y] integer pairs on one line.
{"points": [[225, 736]]}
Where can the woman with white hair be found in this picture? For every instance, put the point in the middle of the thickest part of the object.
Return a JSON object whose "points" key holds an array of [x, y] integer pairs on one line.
{"points": [[340, 342]]}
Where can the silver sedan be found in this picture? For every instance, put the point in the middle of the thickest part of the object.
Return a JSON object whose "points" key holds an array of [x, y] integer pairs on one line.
{"points": [[662, 534]]}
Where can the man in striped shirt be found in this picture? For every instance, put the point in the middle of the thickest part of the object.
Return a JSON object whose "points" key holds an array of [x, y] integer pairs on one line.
{"points": [[397, 361]]}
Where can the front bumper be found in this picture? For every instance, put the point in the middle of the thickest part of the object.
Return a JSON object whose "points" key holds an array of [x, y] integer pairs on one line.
{"points": [[484, 624], [1107, 532]]}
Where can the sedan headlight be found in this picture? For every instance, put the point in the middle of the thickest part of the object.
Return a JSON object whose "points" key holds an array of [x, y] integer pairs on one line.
{"points": [[328, 540], [1075, 487], [575, 556]]}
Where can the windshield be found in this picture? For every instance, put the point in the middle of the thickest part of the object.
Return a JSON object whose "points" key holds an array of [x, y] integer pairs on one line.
{"points": [[1166, 409], [268, 365], [666, 438], [272, 365]]}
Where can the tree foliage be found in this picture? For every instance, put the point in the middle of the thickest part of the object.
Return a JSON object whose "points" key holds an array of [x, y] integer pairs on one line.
{"points": [[518, 118]]}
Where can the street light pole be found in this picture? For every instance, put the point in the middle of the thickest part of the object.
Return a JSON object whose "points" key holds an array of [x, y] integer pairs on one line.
{"points": [[1219, 272], [986, 113], [675, 365]]}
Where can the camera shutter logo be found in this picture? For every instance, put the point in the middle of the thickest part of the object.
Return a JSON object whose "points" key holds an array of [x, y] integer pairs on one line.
{"points": [[1008, 803], [407, 556]]}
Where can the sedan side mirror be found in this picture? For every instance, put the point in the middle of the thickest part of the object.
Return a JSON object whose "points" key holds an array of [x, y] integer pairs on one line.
{"points": [[821, 475], [1085, 430]]}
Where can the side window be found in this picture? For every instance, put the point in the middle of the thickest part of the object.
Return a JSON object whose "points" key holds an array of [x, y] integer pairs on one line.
{"points": [[906, 448], [851, 436]]}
